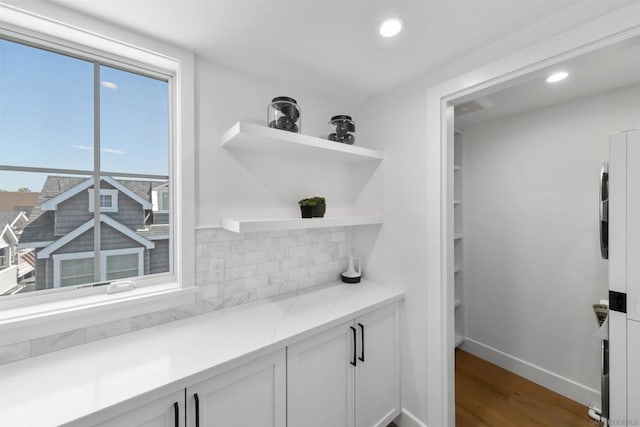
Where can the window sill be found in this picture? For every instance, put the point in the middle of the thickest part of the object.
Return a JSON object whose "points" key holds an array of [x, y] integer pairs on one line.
{"points": [[35, 321]]}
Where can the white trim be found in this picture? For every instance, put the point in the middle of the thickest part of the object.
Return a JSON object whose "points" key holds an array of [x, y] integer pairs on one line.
{"points": [[13, 235], [546, 378], [35, 245], [52, 203], [616, 26], [126, 231], [407, 419], [67, 238], [20, 214], [103, 261], [145, 203], [105, 192]]}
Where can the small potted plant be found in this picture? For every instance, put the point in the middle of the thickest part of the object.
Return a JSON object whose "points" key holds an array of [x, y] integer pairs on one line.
{"points": [[307, 207], [320, 208]]}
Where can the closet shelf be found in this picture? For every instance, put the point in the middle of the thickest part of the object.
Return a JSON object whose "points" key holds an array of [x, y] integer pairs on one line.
{"points": [[261, 139], [457, 236], [457, 202], [251, 225], [457, 168], [457, 303], [457, 269]]}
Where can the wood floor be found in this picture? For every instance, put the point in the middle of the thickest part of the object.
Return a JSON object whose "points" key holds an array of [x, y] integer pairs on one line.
{"points": [[487, 395]]}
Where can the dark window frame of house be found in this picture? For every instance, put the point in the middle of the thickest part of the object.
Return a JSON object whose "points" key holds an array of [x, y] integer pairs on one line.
{"points": [[98, 59]]}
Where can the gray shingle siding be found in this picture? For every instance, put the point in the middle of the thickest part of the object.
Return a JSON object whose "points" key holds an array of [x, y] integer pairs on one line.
{"points": [[74, 212], [159, 257], [109, 239]]}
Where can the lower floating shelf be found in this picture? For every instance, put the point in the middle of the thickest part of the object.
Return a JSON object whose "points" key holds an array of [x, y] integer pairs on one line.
{"points": [[459, 340], [252, 225]]}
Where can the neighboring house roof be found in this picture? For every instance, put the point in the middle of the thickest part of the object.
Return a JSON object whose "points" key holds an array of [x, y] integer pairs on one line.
{"points": [[44, 253], [143, 199], [40, 231]]}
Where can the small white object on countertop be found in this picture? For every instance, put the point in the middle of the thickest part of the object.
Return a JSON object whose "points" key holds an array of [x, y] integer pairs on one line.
{"points": [[60, 387]]}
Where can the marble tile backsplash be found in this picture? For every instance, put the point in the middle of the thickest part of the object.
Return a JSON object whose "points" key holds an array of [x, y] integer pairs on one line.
{"points": [[257, 265]]}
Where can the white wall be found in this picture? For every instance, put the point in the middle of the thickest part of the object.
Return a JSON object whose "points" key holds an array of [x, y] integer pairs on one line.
{"points": [[246, 185], [396, 123], [532, 265]]}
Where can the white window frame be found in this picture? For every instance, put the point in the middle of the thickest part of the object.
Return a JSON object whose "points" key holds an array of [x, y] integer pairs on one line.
{"points": [[103, 261], [24, 317], [105, 192], [156, 198]]}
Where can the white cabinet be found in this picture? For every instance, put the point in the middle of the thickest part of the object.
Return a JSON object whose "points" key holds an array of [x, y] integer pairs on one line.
{"points": [[165, 412], [320, 379], [347, 376], [253, 394], [377, 380], [633, 373]]}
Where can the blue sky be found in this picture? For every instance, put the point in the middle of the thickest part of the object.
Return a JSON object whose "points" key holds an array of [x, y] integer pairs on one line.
{"points": [[46, 117]]}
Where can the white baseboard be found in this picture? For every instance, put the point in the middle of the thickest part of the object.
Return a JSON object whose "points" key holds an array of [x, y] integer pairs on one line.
{"points": [[407, 419], [561, 385]]}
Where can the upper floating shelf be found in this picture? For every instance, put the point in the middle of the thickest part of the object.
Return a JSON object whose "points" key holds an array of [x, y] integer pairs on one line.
{"points": [[258, 138], [251, 225]]}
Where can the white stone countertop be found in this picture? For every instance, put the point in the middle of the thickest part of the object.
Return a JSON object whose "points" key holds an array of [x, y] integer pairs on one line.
{"points": [[64, 386]]}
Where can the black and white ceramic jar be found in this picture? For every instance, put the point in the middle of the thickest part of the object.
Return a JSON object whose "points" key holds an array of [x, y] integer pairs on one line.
{"points": [[284, 113], [342, 129]]}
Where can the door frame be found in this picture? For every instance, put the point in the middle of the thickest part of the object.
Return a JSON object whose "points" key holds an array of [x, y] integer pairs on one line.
{"points": [[609, 29]]}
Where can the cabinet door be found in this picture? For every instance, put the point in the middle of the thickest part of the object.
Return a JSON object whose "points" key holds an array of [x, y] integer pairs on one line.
{"points": [[377, 386], [633, 375], [253, 394], [159, 413], [320, 379]]}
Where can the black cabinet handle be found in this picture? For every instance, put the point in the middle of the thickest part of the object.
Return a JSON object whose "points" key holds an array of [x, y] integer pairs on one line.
{"points": [[361, 341], [176, 414], [353, 362], [197, 399]]}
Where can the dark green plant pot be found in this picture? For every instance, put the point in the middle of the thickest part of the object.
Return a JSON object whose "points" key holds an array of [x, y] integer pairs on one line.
{"points": [[319, 210], [307, 211]]}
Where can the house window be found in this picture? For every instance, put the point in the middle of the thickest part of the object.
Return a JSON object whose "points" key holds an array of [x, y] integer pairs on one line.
{"points": [[108, 200], [122, 266], [84, 122], [76, 271]]}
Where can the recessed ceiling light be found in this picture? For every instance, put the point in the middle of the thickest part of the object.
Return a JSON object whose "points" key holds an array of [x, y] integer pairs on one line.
{"points": [[391, 27], [556, 77]]}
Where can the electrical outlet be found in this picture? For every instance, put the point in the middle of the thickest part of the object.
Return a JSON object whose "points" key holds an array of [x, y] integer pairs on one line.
{"points": [[218, 270]]}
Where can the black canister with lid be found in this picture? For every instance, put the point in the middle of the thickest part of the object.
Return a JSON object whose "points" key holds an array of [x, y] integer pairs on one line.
{"points": [[342, 129], [284, 113]]}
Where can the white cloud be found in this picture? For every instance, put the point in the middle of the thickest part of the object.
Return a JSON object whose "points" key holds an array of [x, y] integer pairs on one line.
{"points": [[108, 85], [103, 150]]}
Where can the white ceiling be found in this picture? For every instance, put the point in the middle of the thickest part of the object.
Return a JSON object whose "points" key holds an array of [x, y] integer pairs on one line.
{"points": [[327, 46], [605, 69]]}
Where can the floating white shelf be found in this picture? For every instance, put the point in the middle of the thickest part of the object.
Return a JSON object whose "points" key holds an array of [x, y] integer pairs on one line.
{"points": [[457, 236], [459, 340], [261, 139], [251, 225], [457, 168], [457, 303]]}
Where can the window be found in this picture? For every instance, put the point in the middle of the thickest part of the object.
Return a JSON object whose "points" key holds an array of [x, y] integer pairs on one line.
{"points": [[71, 122], [75, 271], [108, 200], [76, 37]]}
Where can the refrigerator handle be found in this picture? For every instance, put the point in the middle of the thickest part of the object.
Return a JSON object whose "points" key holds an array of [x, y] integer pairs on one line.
{"points": [[604, 210]]}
